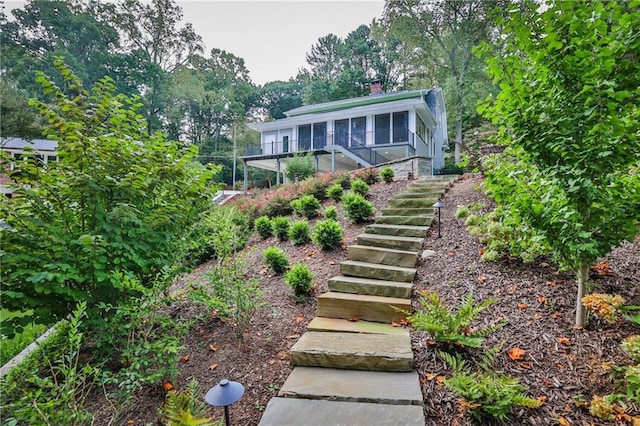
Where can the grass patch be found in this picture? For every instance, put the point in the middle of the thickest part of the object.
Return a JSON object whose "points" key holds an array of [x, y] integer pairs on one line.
{"points": [[12, 347]]}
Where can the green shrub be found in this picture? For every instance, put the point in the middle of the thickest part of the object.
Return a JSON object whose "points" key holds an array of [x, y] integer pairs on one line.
{"points": [[220, 231], [57, 393], [360, 187], [449, 327], [12, 347], [299, 232], [306, 206], [472, 220], [300, 279], [387, 174], [236, 296], [343, 179], [462, 212], [335, 191], [278, 205], [368, 175], [280, 227], [486, 392], [331, 212], [357, 208], [276, 258], [117, 199], [315, 186], [263, 226], [300, 167], [328, 234]]}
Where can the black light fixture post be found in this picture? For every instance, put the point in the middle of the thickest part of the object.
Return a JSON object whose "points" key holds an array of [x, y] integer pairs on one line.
{"points": [[224, 394], [439, 204]]}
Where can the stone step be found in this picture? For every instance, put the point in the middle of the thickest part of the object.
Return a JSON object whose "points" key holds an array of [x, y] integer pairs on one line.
{"points": [[399, 211], [397, 230], [351, 351], [422, 194], [421, 220], [373, 287], [410, 203], [345, 326], [399, 243], [333, 384], [383, 255], [308, 412], [354, 268], [333, 304]]}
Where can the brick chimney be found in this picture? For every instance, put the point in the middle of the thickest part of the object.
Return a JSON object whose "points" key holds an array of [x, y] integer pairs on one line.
{"points": [[376, 87]]}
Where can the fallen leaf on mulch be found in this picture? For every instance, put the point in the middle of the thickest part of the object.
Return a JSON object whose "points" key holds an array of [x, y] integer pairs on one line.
{"points": [[482, 278], [440, 380], [282, 355], [185, 358], [542, 399], [167, 386], [516, 354], [131, 422], [353, 319], [298, 318], [564, 341], [212, 367], [429, 376], [395, 324], [563, 422], [213, 347], [526, 365], [522, 306]]}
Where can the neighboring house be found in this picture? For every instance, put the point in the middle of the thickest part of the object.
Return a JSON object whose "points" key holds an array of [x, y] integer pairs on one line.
{"points": [[359, 132], [45, 151]]}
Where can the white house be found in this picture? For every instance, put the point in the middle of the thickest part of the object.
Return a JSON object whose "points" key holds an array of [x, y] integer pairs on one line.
{"points": [[359, 132], [45, 152]]}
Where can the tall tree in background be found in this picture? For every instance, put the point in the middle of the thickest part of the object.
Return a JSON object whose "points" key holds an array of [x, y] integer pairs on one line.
{"points": [[341, 69], [79, 31], [276, 97], [153, 35], [569, 108], [442, 34]]}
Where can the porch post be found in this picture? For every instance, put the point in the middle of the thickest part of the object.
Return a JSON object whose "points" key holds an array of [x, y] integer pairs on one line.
{"points": [[246, 178], [333, 160], [317, 163], [277, 172]]}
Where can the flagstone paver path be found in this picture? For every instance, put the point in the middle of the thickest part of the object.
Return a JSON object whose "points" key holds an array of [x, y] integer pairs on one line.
{"points": [[352, 366]]}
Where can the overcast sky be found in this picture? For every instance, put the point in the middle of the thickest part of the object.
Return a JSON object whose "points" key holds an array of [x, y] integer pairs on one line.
{"points": [[271, 36]]}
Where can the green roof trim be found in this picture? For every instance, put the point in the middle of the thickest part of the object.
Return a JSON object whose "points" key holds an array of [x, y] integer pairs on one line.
{"points": [[356, 102]]}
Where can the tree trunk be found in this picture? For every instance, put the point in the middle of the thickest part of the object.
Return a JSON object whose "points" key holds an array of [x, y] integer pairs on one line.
{"points": [[458, 141], [582, 278]]}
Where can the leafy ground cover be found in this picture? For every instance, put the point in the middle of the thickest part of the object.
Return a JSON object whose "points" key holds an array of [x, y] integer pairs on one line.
{"points": [[562, 366]]}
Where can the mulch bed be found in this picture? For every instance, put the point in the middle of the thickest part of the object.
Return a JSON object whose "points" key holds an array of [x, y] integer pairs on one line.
{"points": [[536, 300]]}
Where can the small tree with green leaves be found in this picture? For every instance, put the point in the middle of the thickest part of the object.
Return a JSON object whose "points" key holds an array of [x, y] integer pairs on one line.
{"points": [[568, 109], [300, 167], [118, 200]]}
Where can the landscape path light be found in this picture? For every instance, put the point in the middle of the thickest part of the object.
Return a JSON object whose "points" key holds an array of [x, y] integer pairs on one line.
{"points": [[439, 204], [224, 394]]}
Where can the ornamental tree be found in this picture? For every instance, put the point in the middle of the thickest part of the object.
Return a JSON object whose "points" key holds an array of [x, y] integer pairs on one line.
{"points": [[115, 204], [568, 109]]}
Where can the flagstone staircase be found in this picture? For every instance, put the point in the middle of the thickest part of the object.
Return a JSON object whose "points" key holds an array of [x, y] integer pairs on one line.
{"points": [[353, 366]]}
